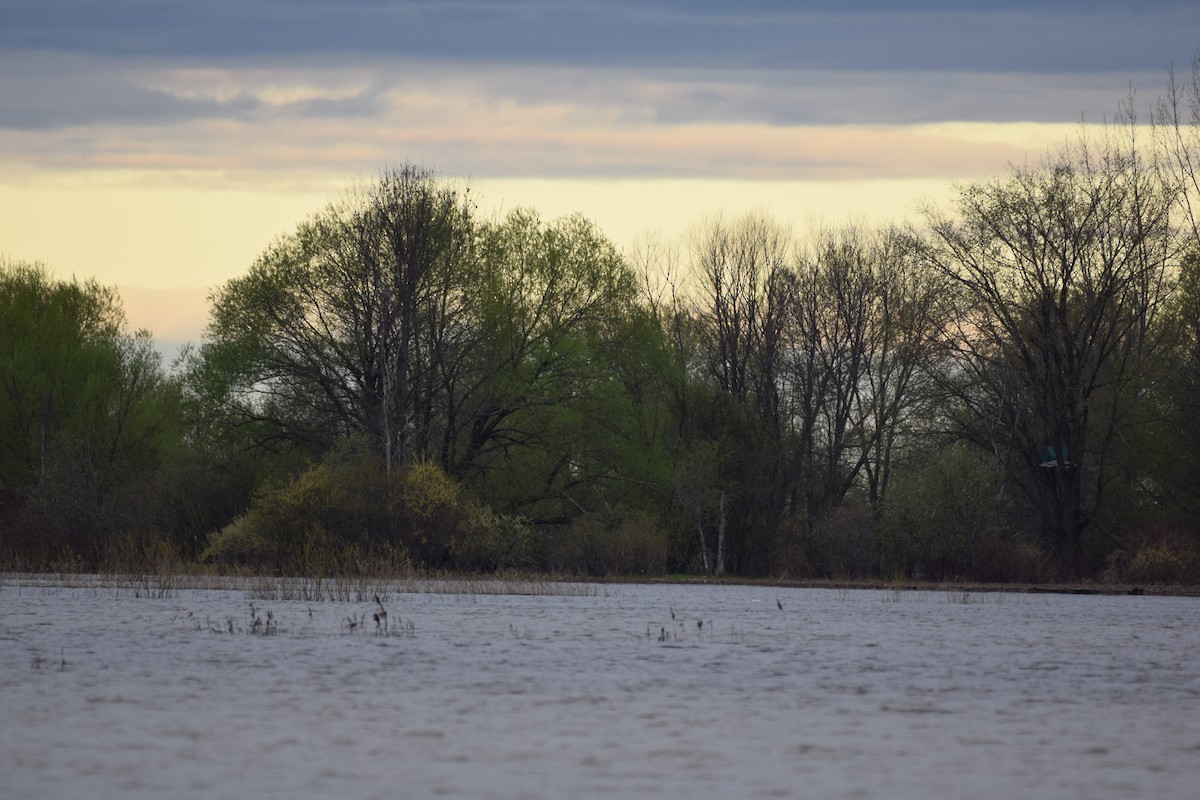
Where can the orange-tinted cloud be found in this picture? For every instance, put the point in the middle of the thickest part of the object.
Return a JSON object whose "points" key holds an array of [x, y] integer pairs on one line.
{"points": [[473, 134]]}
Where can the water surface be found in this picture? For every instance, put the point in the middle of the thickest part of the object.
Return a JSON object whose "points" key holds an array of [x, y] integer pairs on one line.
{"points": [[604, 691]]}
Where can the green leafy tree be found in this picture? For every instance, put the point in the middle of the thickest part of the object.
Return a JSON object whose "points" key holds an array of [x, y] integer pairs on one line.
{"points": [[87, 414], [495, 350], [554, 307], [347, 326], [1164, 467], [59, 345]]}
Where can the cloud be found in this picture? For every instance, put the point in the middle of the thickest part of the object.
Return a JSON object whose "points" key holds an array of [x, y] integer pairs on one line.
{"points": [[555, 88], [163, 143], [709, 150], [52, 91], [934, 34], [498, 125], [511, 120], [64, 97], [81, 100]]}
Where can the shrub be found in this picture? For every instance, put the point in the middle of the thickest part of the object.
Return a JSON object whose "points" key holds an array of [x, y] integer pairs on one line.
{"points": [[243, 541], [616, 542], [349, 514], [1160, 554], [842, 544], [431, 509], [1158, 563], [943, 520], [485, 541]]}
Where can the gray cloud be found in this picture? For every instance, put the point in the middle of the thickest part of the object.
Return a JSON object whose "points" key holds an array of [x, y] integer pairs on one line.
{"points": [[824, 97], [90, 98], [46, 92], [50, 90], [970, 35], [416, 73]]}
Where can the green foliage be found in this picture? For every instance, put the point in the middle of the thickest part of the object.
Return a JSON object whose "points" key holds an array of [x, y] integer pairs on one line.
{"points": [[58, 359], [348, 326], [245, 540], [88, 418], [549, 302], [511, 355], [348, 513]]}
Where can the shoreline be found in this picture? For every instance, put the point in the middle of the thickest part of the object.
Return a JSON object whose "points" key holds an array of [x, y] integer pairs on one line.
{"points": [[165, 581]]}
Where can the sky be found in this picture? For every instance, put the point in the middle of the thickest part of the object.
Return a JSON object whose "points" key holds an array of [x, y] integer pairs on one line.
{"points": [[161, 145]]}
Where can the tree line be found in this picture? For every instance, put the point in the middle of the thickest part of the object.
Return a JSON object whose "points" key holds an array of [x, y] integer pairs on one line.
{"points": [[1006, 391]]}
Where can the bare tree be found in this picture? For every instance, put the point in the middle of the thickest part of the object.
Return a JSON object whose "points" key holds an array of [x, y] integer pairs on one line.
{"points": [[859, 339], [1176, 122], [822, 350], [894, 386], [1061, 271], [746, 289], [828, 363]]}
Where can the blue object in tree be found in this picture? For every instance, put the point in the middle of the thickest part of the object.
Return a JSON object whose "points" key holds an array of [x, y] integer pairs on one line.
{"points": [[1050, 458]]}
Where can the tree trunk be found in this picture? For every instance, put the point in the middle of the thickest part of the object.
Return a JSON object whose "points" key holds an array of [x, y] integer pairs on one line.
{"points": [[721, 538]]}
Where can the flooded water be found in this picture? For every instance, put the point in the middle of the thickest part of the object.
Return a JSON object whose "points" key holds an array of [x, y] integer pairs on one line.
{"points": [[601, 691]]}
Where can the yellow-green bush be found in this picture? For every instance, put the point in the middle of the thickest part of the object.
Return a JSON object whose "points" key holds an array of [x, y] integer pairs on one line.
{"points": [[1157, 563], [485, 541], [1163, 562], [1159, 553], [430, 508], [243, 541], [348, 513]]}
